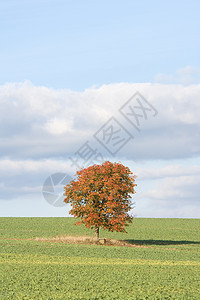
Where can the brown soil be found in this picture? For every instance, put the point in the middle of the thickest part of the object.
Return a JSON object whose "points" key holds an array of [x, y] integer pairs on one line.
{"points": [[88, 241], [84, 240], [91, 241]]}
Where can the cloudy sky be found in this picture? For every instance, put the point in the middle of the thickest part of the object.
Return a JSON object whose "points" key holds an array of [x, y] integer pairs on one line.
{"points": [[86, 81]]}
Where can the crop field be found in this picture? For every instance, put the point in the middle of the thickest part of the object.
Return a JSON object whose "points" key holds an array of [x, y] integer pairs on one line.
{"points": [[162, 262]]}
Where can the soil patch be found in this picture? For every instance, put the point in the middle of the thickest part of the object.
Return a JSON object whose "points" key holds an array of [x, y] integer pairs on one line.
{"points": [[89, 241]]}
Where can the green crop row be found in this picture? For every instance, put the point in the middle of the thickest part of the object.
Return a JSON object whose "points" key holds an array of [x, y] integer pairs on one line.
{"points": [[163, 264]]}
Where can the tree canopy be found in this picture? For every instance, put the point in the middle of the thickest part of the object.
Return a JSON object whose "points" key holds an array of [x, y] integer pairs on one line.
{"points": [[101, 196]]}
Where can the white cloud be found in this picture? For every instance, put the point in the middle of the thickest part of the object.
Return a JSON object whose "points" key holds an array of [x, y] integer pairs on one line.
{"points": [[57, 127], [176, 196], [40, 128], [16, 167], [167, 171], [40, 122], [167, 188], [163, 191], [176, 189], [187, 75]]}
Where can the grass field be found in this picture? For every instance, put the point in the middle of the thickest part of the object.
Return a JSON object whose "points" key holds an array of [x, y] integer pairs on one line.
{"points": [[163, 262]]}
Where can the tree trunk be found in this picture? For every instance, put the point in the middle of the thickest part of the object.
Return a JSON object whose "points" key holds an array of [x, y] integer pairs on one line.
{"points": [[97, 232]]}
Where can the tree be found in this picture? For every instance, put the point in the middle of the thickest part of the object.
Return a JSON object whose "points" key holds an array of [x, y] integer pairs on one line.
{"points": [[100, 196]]}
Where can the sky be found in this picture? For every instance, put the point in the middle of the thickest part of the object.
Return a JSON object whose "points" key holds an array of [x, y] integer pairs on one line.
{"points": [[82, 82]]}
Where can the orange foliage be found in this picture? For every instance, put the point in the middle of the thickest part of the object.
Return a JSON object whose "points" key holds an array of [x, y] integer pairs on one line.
{"points": [[100, 196]]}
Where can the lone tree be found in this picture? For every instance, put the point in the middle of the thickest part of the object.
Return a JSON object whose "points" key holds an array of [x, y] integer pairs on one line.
{"points": [[100, 196]]}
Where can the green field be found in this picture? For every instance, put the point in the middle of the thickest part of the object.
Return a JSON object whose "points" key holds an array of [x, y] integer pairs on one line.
{"points": [[164, 264]]}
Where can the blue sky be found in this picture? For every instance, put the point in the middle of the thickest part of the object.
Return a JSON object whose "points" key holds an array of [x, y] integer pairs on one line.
{"points": [[68, 66], [78, 44]]}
